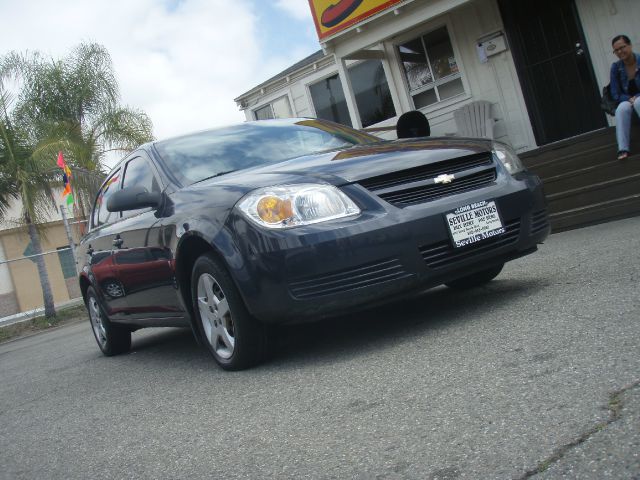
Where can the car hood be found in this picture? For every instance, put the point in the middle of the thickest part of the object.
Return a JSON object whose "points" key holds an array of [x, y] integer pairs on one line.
{"points": [[356, 163], [338, 168]]}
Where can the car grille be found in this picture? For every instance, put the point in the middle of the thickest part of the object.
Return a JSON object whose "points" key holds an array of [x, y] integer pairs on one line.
{"points": [[417, 185], [351, 279], [443, 254], [539, 221]]}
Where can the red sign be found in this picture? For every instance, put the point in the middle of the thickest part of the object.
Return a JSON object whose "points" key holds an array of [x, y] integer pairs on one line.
{"points": [[332, 16]]}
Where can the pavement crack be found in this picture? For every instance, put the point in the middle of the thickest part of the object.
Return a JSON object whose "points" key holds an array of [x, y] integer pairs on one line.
{"points": [[615, 408]]}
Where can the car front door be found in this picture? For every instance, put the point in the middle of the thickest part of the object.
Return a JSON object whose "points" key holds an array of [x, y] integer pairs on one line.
{"points": [[143, 263]]}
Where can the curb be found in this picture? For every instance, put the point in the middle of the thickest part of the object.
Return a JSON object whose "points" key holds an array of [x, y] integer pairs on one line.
{"points": [[31, 314]]}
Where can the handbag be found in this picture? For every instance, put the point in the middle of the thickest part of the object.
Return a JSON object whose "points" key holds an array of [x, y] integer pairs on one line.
{"points": [[607, 103]]}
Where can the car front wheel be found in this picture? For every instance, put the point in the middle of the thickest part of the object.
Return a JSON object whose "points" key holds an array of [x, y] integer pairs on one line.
{"points": [[476, 279], [112, 339], [234, 338]]}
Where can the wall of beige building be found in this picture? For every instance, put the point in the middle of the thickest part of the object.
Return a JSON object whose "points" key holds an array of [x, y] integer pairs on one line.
{"points": [[8, 299], [22, 291], [20, 288]]}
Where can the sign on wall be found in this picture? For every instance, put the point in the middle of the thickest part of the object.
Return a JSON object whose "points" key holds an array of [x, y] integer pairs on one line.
{"points": [[332, 16]]}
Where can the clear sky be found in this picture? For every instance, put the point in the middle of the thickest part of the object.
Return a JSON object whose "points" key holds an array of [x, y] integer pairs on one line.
{"points": [[181, 61]]}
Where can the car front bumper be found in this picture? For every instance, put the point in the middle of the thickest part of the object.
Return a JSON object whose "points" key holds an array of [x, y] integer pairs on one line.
{"points": [[321, 270]]}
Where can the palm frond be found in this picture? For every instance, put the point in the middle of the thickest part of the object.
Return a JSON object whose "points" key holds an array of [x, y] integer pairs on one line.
{"points": [[69, 105], [123, 129]]}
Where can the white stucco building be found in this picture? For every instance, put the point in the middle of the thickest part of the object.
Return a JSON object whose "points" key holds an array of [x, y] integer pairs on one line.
{"points": [[541, 63]]}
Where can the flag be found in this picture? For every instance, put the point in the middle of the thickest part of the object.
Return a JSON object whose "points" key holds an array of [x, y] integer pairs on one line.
{"points": [[67, 195]]}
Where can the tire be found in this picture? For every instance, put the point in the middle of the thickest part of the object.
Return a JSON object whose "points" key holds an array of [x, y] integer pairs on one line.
{"points": [[235, 339], [112, 339], [476, 279]]}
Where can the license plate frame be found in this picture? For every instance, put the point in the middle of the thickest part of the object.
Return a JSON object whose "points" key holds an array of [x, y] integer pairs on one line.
{"points": [[474, 222]]}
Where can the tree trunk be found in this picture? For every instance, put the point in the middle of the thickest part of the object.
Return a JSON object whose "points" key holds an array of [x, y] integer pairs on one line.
{"points": [[47, 295]]}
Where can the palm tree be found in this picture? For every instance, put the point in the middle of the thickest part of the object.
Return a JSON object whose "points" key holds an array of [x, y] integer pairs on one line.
{"points": [[26, 175], [76, 100], [70, 105]]}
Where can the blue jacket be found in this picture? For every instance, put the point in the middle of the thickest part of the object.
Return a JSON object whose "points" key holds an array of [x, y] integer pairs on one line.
{"points": [[619, 80]]}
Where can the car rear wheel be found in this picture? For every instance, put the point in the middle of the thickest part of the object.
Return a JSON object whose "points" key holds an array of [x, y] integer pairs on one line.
{"points": [[476, 279], [112, 339], [234, 338], [113, 288]]}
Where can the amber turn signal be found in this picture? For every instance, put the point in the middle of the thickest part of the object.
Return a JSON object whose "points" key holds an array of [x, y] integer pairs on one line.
{"points": [[274, 210]]}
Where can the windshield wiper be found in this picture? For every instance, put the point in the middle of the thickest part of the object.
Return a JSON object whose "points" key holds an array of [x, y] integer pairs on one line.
{"points": [[216, 175]]}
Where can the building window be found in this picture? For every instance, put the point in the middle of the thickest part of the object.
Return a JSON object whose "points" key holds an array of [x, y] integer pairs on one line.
{"points": [[431, 68], [372, 93], [328, 100], [279, 108]]}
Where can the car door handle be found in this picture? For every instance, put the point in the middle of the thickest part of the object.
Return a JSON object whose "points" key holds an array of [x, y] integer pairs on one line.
{"points": [[117, 242]]}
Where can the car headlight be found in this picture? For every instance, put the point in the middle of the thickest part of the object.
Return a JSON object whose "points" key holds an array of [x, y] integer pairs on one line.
{"points": [[285, 206], [508, 157]]}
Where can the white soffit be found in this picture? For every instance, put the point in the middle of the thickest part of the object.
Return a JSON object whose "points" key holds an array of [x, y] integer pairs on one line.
{"points": [[365, 55]]}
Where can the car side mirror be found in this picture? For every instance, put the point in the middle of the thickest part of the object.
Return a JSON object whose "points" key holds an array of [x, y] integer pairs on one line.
{"points": [[133, 198]]}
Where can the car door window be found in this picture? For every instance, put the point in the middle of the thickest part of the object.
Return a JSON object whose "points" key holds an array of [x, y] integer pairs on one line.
{"points": [[100, 213], [138, 172], [133, 256], [161, 253]]}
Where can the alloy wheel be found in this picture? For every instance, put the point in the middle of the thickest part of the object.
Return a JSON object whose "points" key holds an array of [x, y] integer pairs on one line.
{"points": [[215, 314], [96, 321], [114, 290]]}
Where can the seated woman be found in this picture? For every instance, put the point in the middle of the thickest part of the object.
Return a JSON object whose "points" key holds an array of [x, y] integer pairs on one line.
{"points": [[625, 89]]}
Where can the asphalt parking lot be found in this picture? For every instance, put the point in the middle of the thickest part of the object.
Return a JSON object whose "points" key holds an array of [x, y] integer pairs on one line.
{"points": [[535, 375]]}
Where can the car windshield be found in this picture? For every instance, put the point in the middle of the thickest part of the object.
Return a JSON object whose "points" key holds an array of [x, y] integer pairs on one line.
{"points": [[196, 157]]}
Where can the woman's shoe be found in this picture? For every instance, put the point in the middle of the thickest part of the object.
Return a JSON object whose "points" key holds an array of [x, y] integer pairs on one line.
{"points": [[623, 155]]}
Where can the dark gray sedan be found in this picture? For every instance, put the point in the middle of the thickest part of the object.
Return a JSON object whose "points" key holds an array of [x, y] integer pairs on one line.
{"points": [[233, 230]]}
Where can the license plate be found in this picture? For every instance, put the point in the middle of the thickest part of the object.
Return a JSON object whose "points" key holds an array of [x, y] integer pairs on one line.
{"points": [[474, 222]]}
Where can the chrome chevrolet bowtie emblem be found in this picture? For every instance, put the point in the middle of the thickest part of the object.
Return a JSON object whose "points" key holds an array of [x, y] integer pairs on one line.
{"points": [[444, 178]]}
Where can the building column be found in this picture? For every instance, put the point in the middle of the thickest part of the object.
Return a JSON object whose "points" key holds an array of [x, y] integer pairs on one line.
{"points": [[345, 80], [394, 73], [391, 81]]}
